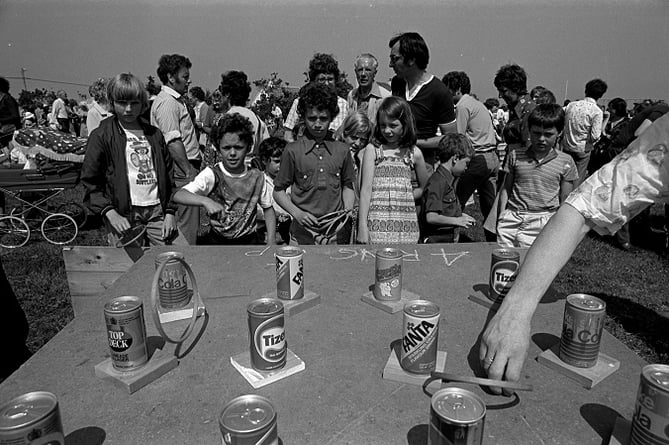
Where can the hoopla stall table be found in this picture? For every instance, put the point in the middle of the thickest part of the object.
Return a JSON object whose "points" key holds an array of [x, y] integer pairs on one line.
{"points": [[341, 397]]}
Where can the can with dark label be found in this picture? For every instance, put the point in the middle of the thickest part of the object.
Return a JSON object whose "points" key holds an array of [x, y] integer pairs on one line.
{"points": [[503, 269], [420, 333], [172, 284], [289, 273], [457, 417], [388, 275], [267, 334], [126, 333], [582, 330], [650, 422], [249, 420], [32, 418]]}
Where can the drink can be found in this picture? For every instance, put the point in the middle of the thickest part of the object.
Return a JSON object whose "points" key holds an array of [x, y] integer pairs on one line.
{"points": [[32, 418], [289, 273], [503, 269], [650, 422], [388, 275], [172, 284], [420, 333], [582, 330], [249, 420], [267, 334], [457, 417], [126, 333]]}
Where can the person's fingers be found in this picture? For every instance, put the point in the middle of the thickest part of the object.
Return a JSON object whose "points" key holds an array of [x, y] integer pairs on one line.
{"points": [[512, 373], [483, 350], [495, 370]]}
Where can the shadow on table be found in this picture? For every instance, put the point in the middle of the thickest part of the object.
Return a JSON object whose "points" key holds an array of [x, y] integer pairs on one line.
{"points": [[601, 418], [90, 435], [417, 435], [551, 295], [545, 340]]}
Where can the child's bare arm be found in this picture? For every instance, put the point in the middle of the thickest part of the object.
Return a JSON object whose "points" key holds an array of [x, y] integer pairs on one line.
{"points": [[437, 219], [367, 175], [270, 224], [421, 173], [504, 193], [565, 189], [185, 197], [305, 218]]}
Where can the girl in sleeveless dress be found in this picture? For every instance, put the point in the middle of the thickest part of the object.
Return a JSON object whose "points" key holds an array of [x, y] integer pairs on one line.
{"points": [[387, 197]]}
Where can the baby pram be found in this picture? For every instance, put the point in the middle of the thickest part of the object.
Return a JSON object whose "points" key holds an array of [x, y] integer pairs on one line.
{"points": [[30, 192]]}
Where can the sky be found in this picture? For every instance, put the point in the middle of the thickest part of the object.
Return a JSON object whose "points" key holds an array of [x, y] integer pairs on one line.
{"points": [[561, 43]]}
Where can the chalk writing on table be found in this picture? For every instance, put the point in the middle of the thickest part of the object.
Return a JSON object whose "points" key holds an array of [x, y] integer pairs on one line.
{"points": [[450, 258], [348, 253], [257, 252]]}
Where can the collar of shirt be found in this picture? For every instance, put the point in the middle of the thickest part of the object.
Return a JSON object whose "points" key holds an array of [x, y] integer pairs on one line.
{"points": [[375, 91], [310, 143], [590, 99], [446, 173], [522, 103], [171, 92], [410, 95], [552, 154]]}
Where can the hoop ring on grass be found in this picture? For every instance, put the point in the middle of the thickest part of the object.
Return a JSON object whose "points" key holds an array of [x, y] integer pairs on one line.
{"points": [[155, 301]]}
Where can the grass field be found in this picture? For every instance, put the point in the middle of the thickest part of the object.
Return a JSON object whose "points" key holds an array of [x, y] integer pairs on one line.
{"points": [[633, 284]]}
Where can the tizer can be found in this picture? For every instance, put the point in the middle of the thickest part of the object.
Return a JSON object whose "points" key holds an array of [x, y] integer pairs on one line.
{"points": [[456, 417], [267, 334], [249, 420], [172, 285], [388, 275], [503, 269], [650, 422], [582, 330], [31, 419], [419, 337], [289, 273], [126, 333]]}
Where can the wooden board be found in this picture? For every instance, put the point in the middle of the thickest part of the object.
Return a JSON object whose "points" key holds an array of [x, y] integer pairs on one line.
{"points": [[587, 377], [258, 379], [391, 307], [160, 363], [393, 370]]}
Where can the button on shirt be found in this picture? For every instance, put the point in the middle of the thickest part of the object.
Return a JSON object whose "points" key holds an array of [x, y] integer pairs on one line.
{"points": [[369, 104], [583, 126], [170, 115], [316, 173]]}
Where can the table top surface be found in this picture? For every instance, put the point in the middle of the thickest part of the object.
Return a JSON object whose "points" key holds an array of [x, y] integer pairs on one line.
{"points": [[341, 397]]}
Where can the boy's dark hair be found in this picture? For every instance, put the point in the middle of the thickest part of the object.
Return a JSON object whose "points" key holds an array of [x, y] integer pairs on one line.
{"points": [[317, 96], [595, 88], [619, 106], [412, 47], [513, 77], [491, 102], [457, 80], [236, 87], [4, 85], [126, 87], [454, 144], [545, 96], [547, 116], [323, 64], [197, 93], [171, 64], [233, 123], [271, 147]]}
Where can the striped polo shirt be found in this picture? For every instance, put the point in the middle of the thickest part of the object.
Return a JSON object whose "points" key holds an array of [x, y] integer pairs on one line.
{"points": [[536, 185]]}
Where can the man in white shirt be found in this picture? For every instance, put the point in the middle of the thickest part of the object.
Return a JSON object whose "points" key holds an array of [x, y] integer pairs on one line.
{"points": [[367, 96], [59, 116]]}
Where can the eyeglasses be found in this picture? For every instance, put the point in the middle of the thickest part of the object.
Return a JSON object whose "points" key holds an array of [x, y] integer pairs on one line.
{"points": [[394, 58]]}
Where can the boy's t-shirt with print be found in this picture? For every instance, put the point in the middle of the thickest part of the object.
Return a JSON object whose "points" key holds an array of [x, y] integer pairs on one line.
{"points": [[142, 176]]}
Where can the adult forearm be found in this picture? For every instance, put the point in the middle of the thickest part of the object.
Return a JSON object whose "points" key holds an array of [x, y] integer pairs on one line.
{"points": [[178, 152]]}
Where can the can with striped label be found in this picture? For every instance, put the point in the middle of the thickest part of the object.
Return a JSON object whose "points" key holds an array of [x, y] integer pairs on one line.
{"points": [[267, 334], [582, 330], [289, 273], [420, 333], [388, 275], [31, 419], [457, 417], [126, 333], [650, 422]]}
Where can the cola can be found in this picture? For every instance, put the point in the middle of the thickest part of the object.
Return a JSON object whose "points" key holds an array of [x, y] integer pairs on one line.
{"points": [[504, 266], [457, 417], [249, 420], [420, 333], [32, 418], [582, 330], [126, 333], [289, 273], [172, 284], [650, 422], [388, 275], [267, 334]]}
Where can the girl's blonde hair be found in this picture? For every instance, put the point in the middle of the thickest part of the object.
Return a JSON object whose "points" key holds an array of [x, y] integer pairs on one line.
{"points": [[125, 87], [354, 124]]}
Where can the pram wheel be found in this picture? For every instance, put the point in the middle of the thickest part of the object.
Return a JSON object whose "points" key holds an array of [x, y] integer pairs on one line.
{"points": [[74, 210], [59, 229], [14, 232]]}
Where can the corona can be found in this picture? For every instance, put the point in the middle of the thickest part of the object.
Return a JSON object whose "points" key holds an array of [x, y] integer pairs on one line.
{"points": [[420, 333], [249, 420], [503, 269], [172, 285], [31, 419], [582, 330], [267, 334], [650, 422], [388, 275], [126, 333], [456, 417], [289, 273]]}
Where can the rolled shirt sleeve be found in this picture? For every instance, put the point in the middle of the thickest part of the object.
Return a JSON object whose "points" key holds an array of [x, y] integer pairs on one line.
{"points": [[203, 183]]}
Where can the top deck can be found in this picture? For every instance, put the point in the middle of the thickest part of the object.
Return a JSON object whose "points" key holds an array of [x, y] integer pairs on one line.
{"points": [[289, 273], [582, 330], [172, 284], [126, 333], [32, 418], [503, 269], [267, 334], [420, 333], [457, 416], [650, 422], [388, 275], [249, 420]]}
